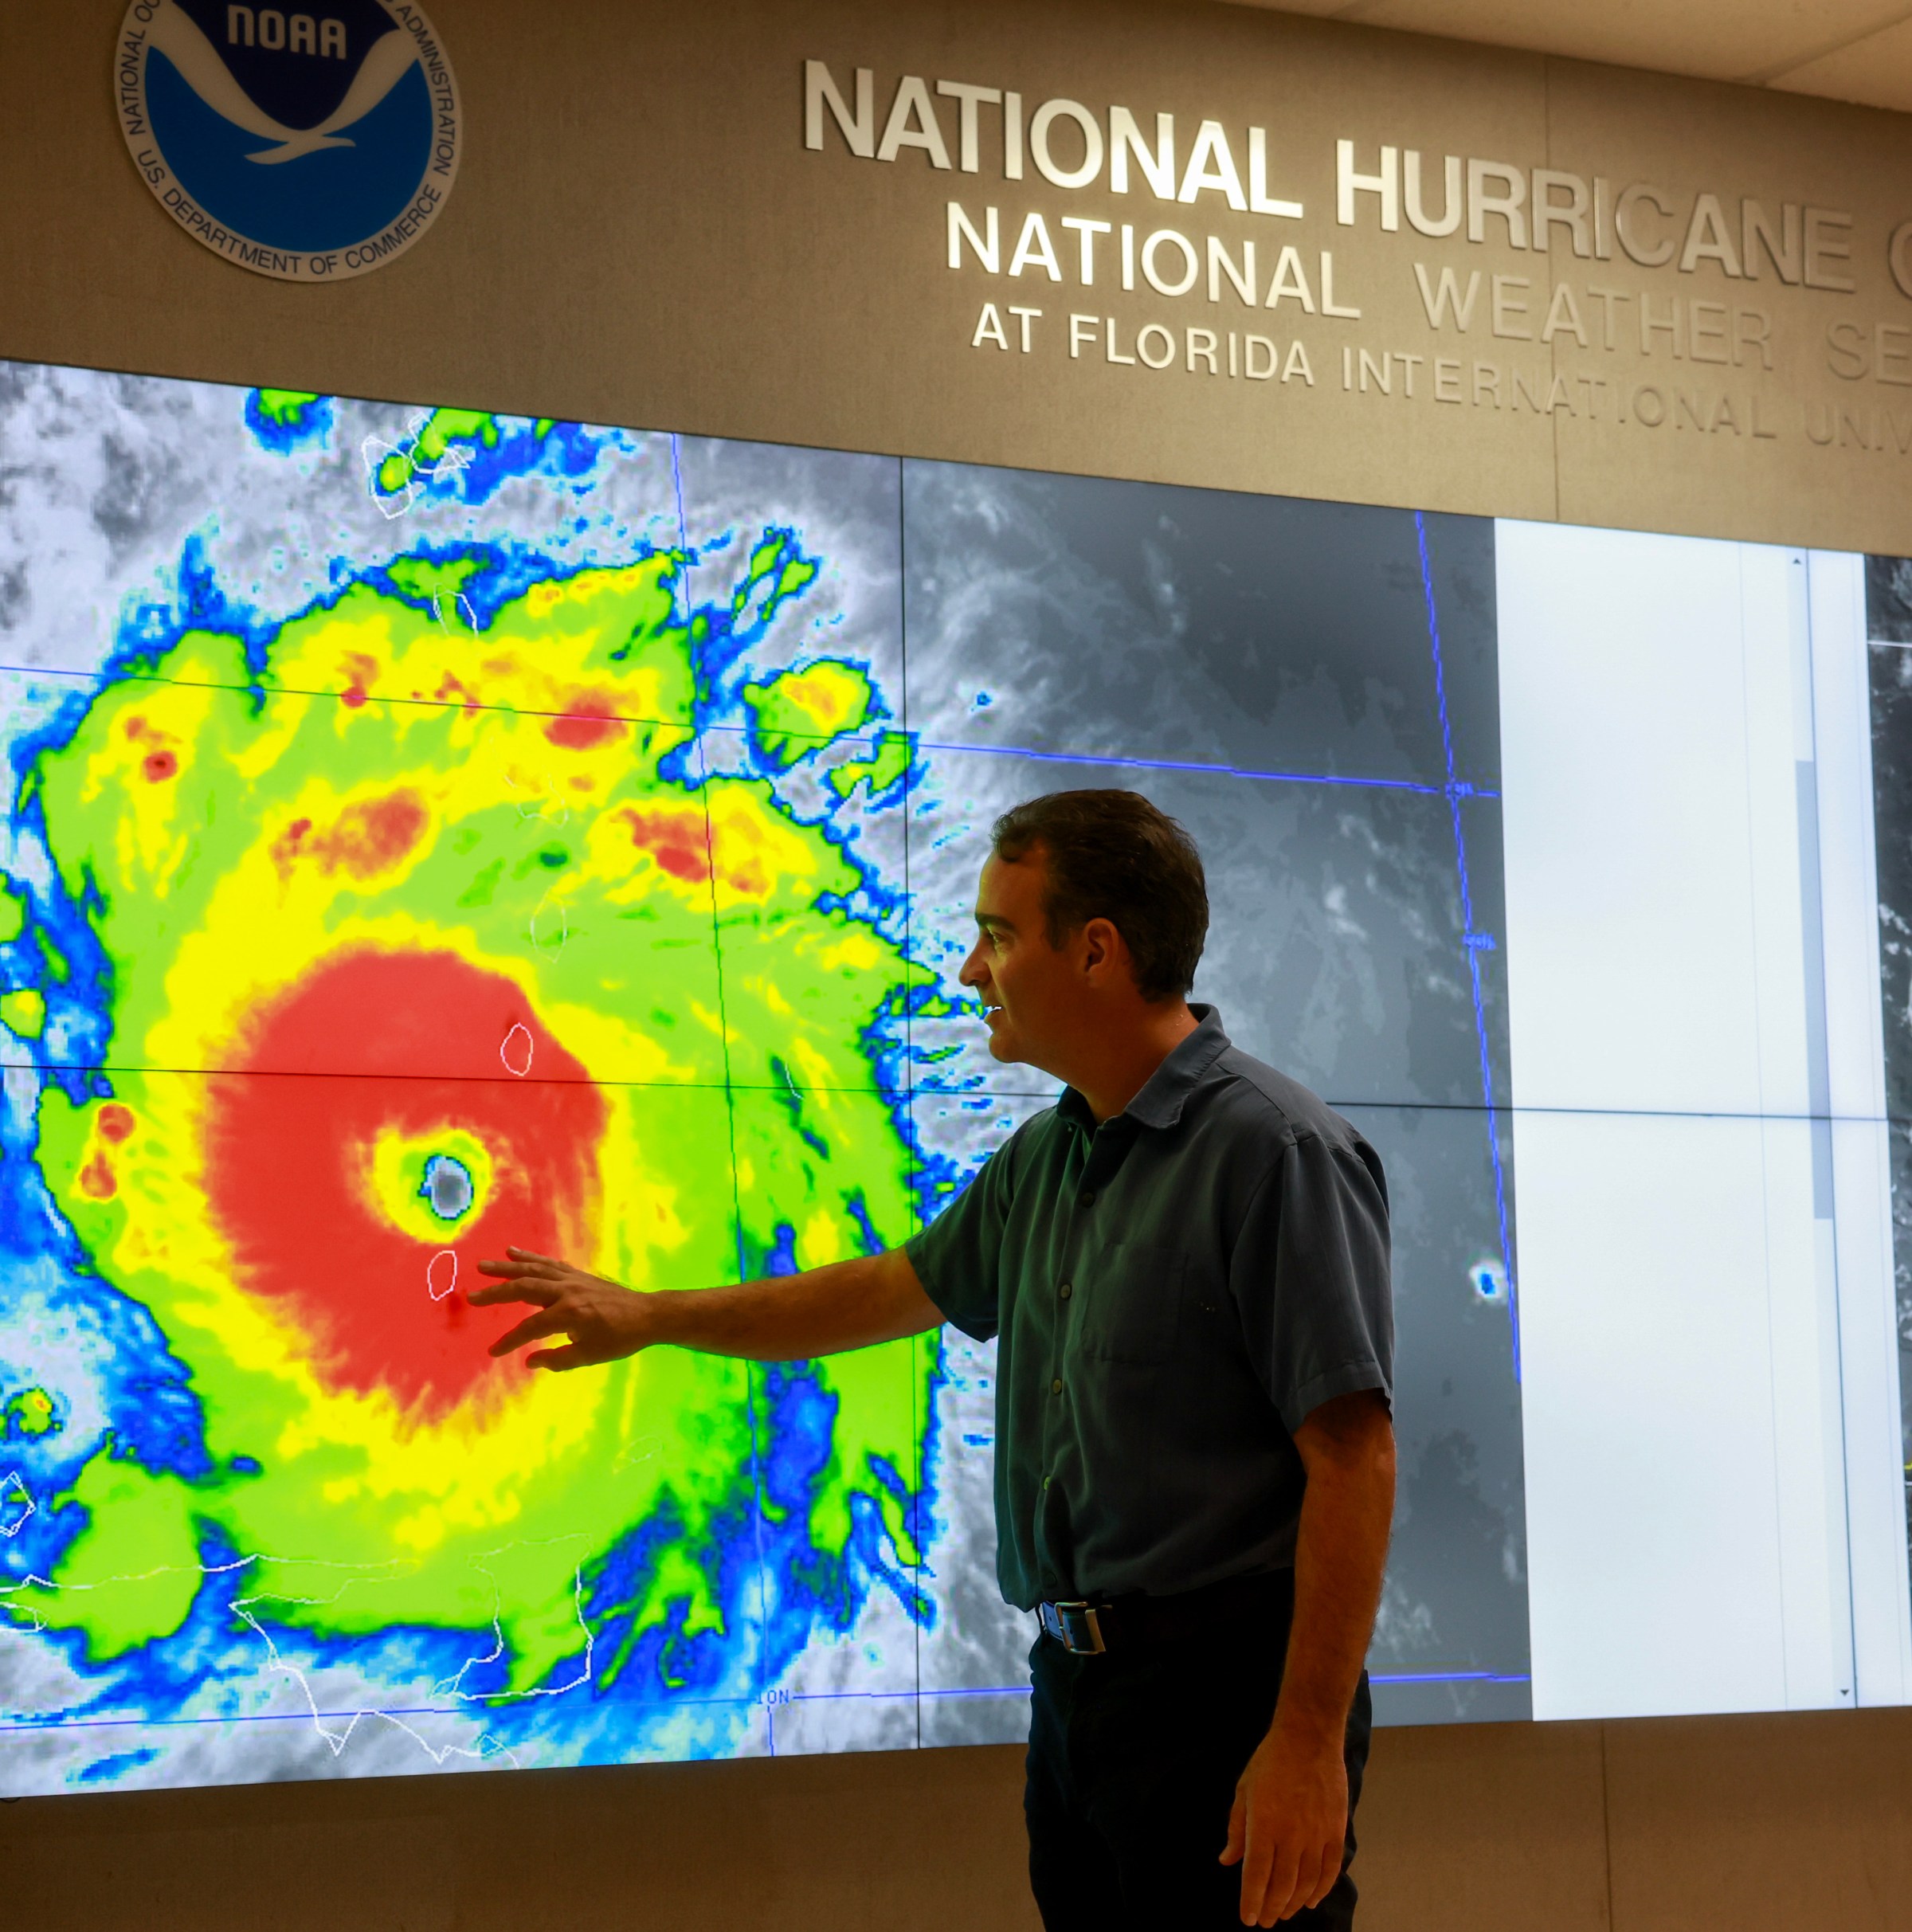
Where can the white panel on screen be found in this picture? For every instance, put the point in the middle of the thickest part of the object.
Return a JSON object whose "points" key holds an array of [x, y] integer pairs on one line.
{"points": [[1654, 1522], [1625, 757], [1685, 1467]]}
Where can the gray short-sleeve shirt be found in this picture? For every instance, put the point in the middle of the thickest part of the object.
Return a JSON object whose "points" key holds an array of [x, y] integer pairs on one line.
{"points": [[1174, 1292]]}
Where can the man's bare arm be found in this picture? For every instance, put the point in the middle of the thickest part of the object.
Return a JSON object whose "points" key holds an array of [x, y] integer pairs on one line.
{"points": [[1347, 1447], [791, 1317], [1291, 1815]]}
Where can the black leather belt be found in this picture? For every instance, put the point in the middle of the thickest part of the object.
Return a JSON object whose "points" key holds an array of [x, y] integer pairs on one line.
{"points": [[1088, 1629]]}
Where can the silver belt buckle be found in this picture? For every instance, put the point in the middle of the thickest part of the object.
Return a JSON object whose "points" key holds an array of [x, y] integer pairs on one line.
{"points": [[1074, 1626]]}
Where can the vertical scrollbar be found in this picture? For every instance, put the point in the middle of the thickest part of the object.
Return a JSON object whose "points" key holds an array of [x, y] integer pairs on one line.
{"points": [[1817, 1351]]}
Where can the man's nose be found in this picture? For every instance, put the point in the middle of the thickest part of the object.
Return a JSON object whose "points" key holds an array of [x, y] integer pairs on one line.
{"points": [[972, 974]]}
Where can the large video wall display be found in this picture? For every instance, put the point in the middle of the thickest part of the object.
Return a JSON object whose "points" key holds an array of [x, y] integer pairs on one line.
{"points": [[430, 830]]}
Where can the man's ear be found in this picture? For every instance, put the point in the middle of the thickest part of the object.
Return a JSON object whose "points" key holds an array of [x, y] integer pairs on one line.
{"points": [[1102, 948]]}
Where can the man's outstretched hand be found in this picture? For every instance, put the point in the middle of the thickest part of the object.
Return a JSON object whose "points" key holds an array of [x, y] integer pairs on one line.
{"points": [[601, 1320], [789, 1318]]}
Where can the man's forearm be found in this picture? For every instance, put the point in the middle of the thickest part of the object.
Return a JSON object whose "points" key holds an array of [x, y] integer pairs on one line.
{"points": [[1340, 1553], [843, 1305]]}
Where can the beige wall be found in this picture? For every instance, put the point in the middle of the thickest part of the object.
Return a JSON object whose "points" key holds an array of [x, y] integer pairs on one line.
{"points": [[1720, 1824], [638, 236]]}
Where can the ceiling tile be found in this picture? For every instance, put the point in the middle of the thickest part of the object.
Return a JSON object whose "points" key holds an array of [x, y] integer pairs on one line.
{"points": [[1848, 49], [1876, 71]]}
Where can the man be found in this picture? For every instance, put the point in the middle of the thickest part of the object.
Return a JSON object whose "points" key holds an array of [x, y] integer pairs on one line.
{"points": [[1185, 1260]]}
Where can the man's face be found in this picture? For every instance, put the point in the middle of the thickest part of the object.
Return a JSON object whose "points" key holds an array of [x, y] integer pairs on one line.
{"points": [[1030, 988]]}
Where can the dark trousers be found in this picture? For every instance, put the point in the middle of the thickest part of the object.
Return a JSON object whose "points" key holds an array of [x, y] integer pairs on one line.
{"points": [[1132, 1765]]}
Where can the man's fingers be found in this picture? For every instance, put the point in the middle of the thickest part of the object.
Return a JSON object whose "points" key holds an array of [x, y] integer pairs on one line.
{"points": [[539, 1294], [1307, 1877], [1238, 1828], [519, 1265], [1331, 1856], [1280, 1894], [573, 1355], [534, 1327], [1258, 1856]]}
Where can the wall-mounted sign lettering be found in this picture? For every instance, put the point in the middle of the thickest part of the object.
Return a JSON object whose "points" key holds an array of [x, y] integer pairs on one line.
{"points": [[1205, 250], [307, 146]]}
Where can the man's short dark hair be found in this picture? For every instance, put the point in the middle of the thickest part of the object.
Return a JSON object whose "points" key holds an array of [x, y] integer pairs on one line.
{"points": [[1113, 855]]}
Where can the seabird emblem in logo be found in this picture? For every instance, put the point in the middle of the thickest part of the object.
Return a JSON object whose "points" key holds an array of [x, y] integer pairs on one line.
{"points": [[309, 146]]}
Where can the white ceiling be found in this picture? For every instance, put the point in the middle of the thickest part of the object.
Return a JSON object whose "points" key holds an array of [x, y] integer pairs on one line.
{"points": [[1845, 49]]}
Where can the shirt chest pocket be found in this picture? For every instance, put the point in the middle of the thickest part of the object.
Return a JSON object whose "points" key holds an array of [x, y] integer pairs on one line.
{"points": [[1130, 1306]]}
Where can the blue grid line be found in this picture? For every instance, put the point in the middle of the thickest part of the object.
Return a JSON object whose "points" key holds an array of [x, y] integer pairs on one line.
{"points": [[1132, 763], [874, 1697], [1451, 1677], [1473, 942]]}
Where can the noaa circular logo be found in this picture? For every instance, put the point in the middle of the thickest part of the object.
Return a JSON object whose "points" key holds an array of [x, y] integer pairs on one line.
{"points": [[309, 146]]}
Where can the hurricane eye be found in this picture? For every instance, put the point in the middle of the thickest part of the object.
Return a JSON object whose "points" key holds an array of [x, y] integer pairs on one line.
{"points": [[447, 1185]]}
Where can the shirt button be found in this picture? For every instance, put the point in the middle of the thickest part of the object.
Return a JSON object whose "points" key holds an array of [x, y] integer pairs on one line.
{"points": [[1088, 1199], [1056, 1386], [1069, 1288]]}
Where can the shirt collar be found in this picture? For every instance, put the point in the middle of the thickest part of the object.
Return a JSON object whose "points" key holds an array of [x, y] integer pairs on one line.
{"points": [[1166, 1090]]}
